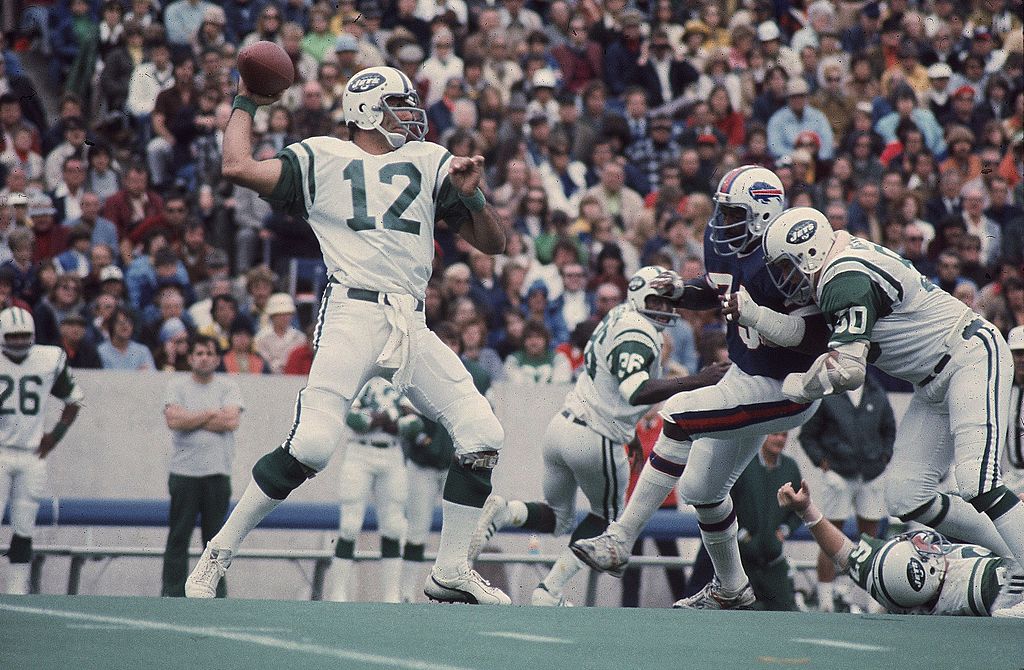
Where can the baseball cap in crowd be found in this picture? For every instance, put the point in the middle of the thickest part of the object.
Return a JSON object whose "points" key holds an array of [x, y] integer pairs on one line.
{"points": [[16, 199], [1015, 338], [865, 107], [410, 53], [797, 86], [872, 10], [280, 303], [41, 205], [111, 273], [172, 328], [940, 71], [964, 90], [631, 17], [346, 42], [544, 78], [707, 138], [768, 31], [537, 116], [74, 316]]}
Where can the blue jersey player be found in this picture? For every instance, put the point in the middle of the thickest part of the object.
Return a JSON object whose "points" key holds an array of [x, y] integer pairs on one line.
{"points": [[711, 434]]}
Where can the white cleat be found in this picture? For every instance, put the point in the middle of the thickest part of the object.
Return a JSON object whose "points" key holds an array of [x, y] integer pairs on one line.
{"points": [[711, 597], [543, 598], [493, 517], [604, 553], [466, 587], [202, 583], [1009, 603]]}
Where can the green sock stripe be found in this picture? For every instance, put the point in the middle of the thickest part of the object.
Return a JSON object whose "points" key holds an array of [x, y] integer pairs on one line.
{"points": [[985, 501], [20, 550], [345, 548], [466, 486], [414, 552], [591, 526], [279, 473], [1005, 503], [390, 548]]}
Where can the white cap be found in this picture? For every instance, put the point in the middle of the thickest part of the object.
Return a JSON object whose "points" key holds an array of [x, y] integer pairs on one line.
{"points": [[544, 77], [939, 71], [797, 86], [1015, 338], [280, 303], [111, 272], [768, 31], [17, 199]]}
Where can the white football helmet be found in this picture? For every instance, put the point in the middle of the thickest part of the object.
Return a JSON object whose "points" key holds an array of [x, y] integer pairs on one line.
{"points": [[746, 200], [910, 569], [17, 321], [366, 104], [795, 246], [640, 290]]}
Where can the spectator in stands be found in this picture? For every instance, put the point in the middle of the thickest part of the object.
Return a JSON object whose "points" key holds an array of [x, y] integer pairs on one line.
{"points": [[980, 226], [65, 297], [203, 412], [75, 260], [241, 359], [162, 152], [224, 312], [275, 342], [948, 273], [795, 117], [168, 304], [102, 178], [50, 239], [850, 439], [78, 347], [120, 352], [537, 362], [171, 354], [132, 205]]}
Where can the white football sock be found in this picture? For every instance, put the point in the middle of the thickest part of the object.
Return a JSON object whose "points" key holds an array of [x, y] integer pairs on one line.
{"points": [[252, 507], [19, 576], [825, 597], [1011, 528], [651, 489], [564, 569], [456, 529], [965, 523], [517, 513], [341, 570], [391, 580], [722, 546]]}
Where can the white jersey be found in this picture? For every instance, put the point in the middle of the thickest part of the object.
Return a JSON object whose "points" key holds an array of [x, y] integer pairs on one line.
{"points": [[974, 576], [870, 293], [373, 215], [623, 353], [24, 387]]}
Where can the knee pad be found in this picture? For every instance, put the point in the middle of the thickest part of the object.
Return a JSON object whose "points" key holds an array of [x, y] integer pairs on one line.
{"points": [[469, 478], [473, 427], [21, 549], [318, 427], [279, 473]]}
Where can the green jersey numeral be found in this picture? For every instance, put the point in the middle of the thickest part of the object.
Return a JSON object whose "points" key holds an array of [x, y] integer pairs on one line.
{"points": [[589, 357], [392, 219], [28, 398]]}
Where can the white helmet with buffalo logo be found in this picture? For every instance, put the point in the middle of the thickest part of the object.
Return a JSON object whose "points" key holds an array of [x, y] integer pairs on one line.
{"points": [[910, 568], [795, 246], [640, 291], [746, 201], [378, 93]]}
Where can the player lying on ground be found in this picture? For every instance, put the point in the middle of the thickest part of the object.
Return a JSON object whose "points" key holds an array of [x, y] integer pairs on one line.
{"points": [[881, 310], [583, 443], [919, 572]]}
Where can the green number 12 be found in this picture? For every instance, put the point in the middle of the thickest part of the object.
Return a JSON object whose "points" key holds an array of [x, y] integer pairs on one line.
{"points": [[392, 219]]}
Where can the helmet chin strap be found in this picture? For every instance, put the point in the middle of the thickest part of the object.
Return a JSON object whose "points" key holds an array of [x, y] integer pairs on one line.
{"points": [[396, 140]]}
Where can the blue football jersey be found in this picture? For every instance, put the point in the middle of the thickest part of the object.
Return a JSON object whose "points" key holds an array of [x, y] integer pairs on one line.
{"points": [[747, 349]]}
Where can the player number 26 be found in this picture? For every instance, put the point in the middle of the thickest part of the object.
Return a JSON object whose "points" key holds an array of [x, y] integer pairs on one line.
{"points": [[629, 363]]}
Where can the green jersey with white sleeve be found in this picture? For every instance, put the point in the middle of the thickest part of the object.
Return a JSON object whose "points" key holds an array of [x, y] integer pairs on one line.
{"points": [[623, 353], [870, 294]]}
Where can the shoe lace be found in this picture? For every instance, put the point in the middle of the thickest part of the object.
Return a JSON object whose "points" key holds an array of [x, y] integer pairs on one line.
{"points": [[211, 568]]}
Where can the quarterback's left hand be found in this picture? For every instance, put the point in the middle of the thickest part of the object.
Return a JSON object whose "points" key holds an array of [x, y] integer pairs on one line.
{"points": [[465, 173], [46, 445]]}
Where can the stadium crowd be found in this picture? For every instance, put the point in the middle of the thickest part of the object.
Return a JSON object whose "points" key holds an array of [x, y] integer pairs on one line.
{"points": [[605, 126]]}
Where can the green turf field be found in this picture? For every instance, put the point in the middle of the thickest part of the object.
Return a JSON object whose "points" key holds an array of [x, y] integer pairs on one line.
{"points": [[87, 632]]}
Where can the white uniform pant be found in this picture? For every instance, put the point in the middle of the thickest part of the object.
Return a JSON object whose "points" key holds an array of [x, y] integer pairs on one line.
{"points": [[23, 483], [425, 488], [577, 457], [727, 423], [842, 497], [378, 469], [350, 336], [959, 419]]}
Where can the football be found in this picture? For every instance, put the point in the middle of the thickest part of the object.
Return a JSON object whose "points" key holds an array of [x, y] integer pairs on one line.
{"points": [[265, 68]]}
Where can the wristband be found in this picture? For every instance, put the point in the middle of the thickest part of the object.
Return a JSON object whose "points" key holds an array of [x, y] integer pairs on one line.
{"points": [[246, 104], [815, 522], [475, 202]]}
